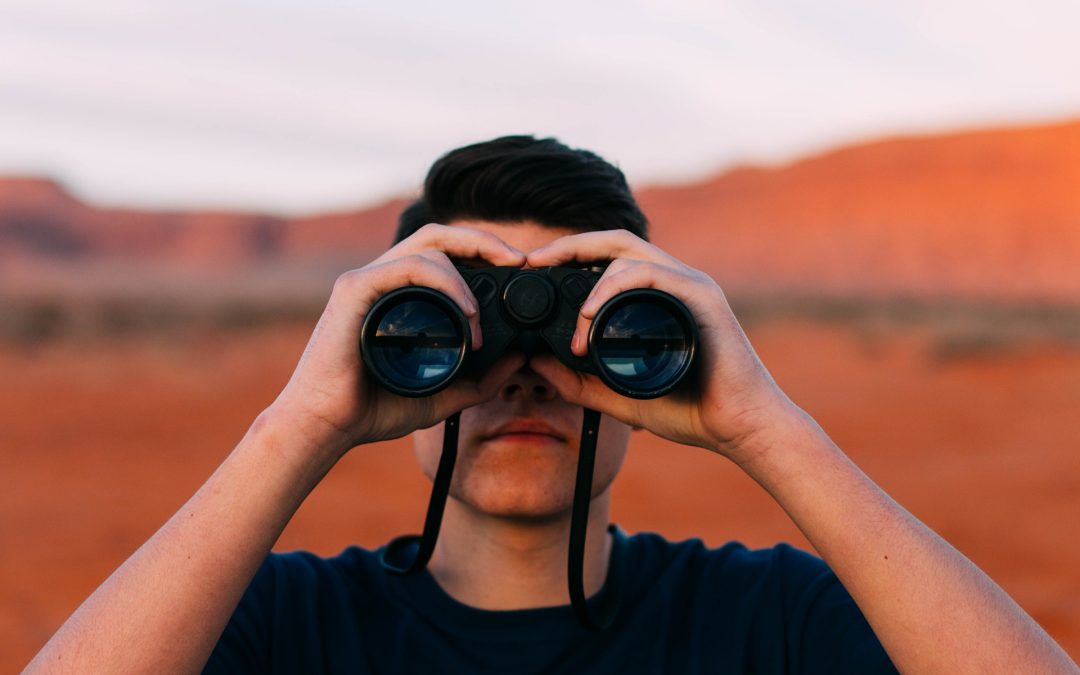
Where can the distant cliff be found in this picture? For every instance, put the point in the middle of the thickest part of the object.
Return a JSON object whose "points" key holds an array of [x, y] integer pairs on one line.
{"points": [[39, 220], [985, 216]]}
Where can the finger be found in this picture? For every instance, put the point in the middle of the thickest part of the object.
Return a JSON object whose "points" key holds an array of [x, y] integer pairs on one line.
{"points": [[586, 390], [619, 264], [637, 274], [577, 344], [597, 246], [459, 242], [467, 392], [361, 288], [441, 259]]}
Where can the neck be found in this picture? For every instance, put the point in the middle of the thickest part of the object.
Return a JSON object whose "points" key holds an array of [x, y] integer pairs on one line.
{"points": [[498, 563]]}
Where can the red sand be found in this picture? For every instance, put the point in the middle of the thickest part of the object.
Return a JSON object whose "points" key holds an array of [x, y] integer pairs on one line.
{"points": [[101, 444]]}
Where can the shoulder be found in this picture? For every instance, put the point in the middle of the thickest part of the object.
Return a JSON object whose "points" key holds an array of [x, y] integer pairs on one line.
{"points": [[296, 579], [732, 561], [304, 565], [784, 577], [777, 605], [297, 606]]}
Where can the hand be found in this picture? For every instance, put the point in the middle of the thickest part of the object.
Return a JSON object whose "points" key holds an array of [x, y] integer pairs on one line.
{"points": [[735, 397], [330, 395]]}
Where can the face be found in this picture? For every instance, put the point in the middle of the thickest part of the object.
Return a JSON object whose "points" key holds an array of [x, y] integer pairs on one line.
{"points": [[517, 453]]}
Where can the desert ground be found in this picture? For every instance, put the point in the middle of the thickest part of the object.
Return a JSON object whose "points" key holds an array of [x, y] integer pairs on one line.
{"points": [[101, 440]]}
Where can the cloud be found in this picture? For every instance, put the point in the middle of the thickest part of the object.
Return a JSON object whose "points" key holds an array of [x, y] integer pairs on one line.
{"points": [[298, 106]]}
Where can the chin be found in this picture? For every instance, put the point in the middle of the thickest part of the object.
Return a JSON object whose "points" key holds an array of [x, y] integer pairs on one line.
{"points": [[520, 477], [526, 495], [516, 507]]}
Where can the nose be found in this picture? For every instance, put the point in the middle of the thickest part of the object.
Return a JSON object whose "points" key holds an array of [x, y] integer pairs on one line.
{"points": [[526, 384]]}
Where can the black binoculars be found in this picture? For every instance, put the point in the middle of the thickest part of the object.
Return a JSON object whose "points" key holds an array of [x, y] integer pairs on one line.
{"points": [[415, 340]]}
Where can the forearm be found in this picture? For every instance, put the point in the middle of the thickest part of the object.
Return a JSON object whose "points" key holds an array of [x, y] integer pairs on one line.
{"points": [[932, 609], [165, 607]]}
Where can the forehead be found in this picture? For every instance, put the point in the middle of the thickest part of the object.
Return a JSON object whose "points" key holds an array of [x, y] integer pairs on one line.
{"points": [[525, 236]]}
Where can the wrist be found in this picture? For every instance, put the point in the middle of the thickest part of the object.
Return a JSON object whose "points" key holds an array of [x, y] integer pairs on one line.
{"points": [[767, 434], [305, 444]]}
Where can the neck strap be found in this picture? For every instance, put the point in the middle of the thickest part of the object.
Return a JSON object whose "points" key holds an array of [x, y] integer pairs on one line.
{"points": [[394, 557], [397, 549], [579, 526]]}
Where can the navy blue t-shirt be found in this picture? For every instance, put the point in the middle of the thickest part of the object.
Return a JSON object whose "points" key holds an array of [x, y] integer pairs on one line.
{"points": [[683, 608]]}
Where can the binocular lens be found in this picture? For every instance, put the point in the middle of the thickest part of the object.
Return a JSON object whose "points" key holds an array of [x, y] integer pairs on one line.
{"points": [[416, 346], [643, 346], [415, 340]]}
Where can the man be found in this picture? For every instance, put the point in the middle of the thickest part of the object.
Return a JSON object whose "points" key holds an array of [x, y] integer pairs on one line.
{"points": [[495, 598]]}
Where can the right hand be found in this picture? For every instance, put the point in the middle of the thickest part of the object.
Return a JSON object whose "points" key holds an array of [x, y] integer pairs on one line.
{"points": [[331, 396]]}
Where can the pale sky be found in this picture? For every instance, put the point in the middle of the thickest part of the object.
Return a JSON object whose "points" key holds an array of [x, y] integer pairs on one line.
{"points": [[301, 107]]}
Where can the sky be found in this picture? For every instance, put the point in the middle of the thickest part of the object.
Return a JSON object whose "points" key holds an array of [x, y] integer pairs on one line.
{"points": [[300, 107]]}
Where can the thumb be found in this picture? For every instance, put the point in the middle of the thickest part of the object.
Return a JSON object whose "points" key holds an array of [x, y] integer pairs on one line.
{"points": [[469, 392], [587, 390]]}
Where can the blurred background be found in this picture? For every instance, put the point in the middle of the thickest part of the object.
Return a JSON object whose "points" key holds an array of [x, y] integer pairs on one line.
{"points": [[889, 195]]}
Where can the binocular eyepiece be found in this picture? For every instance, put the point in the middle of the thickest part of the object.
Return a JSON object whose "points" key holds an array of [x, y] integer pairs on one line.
{"points": [[415, 340]]}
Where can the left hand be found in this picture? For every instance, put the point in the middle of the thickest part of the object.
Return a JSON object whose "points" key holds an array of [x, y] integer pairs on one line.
{"points": [[735, 399]]}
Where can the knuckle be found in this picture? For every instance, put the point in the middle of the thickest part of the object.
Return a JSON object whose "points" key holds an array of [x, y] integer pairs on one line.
{"points": [[617, 281], [347, 280], [407, 268], [600, 288], [415, 261], [436, 256], [483, 240]]}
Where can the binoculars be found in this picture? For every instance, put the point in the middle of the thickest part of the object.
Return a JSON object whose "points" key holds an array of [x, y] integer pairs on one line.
{"points": [[415, 340]]}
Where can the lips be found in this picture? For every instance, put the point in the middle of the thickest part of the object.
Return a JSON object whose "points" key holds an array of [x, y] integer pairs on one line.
{"points": [[526, 427]]}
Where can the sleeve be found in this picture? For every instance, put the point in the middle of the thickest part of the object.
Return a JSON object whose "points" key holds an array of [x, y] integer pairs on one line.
{"points": [[244, 646], [827, 631]]}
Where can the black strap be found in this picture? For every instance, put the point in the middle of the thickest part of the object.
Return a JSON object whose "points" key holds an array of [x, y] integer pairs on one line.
{"points": [[579, 525], [395, 550], [398, 548]]}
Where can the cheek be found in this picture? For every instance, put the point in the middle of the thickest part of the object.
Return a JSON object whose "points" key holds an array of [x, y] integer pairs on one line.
{"points": [[427, 445], [611, 449]]}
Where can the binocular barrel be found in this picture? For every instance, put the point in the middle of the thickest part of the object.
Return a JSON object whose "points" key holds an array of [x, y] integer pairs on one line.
{"points": [[415, 340]]}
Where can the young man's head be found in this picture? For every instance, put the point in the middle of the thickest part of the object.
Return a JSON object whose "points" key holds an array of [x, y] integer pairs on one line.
{"points": [[520, 178], [518, 452]]}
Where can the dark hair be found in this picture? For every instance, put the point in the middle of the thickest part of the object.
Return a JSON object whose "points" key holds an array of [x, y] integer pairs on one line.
{"points": [[517, 178]]}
